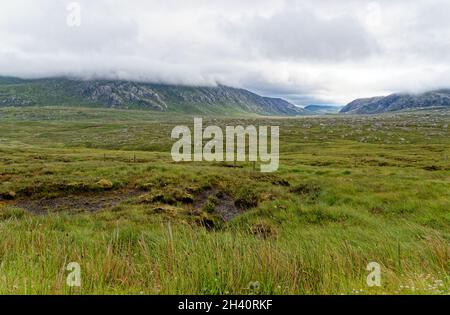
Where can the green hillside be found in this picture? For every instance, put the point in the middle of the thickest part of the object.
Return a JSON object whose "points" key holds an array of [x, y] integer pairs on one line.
{"points": [[136, 95]]}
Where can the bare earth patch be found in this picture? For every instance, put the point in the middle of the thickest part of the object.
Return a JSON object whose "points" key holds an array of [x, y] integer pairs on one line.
{"points": [[78, 203], [224, 204]]}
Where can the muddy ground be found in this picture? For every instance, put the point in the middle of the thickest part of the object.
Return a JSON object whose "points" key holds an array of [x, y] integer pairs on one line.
{"points": [[78, 203], [224, 205]]}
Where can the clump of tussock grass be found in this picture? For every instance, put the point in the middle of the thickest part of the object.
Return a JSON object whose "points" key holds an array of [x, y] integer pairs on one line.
{"points": [[11, 213]]}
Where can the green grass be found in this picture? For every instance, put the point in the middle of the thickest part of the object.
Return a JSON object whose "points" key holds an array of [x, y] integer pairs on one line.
{"points": [[349, 191]]}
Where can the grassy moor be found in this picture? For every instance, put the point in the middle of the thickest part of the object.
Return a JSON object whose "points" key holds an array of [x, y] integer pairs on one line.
{"points": [[99, 187]]}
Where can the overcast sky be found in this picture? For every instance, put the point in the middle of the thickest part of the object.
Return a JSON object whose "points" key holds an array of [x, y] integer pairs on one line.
{"points": [[305, 51]]}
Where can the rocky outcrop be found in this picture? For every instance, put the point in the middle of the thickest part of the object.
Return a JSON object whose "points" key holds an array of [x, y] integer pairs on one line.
{"points": [[119, 94]]}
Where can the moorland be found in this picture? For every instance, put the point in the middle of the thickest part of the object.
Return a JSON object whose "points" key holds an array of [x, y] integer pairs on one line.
{"points": [[98, 187]]}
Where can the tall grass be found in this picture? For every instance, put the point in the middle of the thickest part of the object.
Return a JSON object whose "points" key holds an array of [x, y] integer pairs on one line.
{"points": [[160, 257]]}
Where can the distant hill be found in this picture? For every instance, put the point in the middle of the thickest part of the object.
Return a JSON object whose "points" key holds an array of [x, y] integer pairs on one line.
{"points": [[10, 80], [136, 95], [323, 109], [396, 102]]}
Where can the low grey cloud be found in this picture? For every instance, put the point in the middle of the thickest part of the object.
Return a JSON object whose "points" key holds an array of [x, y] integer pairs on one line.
{"points": [[300, 34], [320, 51]]}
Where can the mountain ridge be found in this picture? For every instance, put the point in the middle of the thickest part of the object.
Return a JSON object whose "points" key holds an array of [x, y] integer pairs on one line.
{"points": [[398, 101], [124, 94]]}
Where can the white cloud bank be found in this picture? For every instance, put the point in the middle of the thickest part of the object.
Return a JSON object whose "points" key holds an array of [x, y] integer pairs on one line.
{"points": [[306, 51]]}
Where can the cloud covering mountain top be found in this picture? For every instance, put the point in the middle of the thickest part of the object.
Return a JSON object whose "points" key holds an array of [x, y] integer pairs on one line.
{"points": [[305, 51]]}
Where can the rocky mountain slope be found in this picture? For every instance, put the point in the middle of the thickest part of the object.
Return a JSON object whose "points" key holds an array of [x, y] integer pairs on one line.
{"points": [[396, 102], [136, 95]]}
